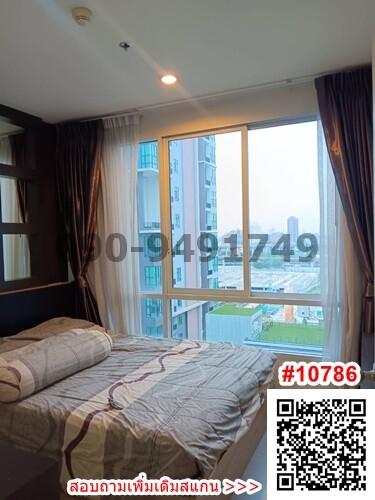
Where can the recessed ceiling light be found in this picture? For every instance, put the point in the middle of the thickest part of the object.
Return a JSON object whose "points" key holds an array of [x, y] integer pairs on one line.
{"points": [[168, 79], [82, 15]]}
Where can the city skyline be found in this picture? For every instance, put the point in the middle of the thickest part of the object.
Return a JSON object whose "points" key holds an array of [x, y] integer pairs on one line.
{"points": [[256, 228], [291, 164]]}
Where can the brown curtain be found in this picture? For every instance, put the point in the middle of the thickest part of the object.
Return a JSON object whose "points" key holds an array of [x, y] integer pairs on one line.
{"points": [[79, 154], [18, 149], [345, 104]]}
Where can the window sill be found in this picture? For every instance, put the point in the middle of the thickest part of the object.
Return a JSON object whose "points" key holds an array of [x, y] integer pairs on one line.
{"points": [[294, 350]]}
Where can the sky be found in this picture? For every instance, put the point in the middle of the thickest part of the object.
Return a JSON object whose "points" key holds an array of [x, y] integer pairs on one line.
{"points": [[283, 178]]}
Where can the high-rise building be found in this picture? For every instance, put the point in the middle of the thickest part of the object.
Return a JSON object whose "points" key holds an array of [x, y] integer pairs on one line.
{"points": [[192, 165], [293, 230], [149, 236]]}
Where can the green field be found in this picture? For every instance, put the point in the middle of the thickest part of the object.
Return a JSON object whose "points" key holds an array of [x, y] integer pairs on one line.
{"points": [[280, 333], [233, 310]]}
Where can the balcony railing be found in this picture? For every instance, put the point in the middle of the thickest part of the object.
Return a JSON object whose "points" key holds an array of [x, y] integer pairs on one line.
{"points": [[149, 225], [148, 165]]}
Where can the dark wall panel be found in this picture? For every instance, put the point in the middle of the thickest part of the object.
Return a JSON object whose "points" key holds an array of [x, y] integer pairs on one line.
{"points": [[22, 310]]}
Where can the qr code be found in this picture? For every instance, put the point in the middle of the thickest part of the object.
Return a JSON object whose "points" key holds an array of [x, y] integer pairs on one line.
{"points": [[320, 440]]}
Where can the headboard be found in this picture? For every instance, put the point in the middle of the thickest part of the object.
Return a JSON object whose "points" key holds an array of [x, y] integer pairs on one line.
{"points": [[22, 310]]}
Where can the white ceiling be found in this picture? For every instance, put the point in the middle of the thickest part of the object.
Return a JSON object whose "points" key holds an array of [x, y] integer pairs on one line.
{"points": [[53, 68]]}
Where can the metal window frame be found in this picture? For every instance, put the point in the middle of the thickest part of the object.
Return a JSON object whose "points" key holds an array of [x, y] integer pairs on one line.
{"points": [[246, 295]]}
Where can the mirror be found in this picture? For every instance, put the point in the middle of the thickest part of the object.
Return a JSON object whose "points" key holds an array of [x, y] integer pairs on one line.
{"points": [[13, 198], [12, 144], [16, 256], [13, 191], [28, 206]]}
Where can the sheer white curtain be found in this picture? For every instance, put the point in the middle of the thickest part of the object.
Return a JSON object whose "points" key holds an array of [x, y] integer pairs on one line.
{"points": [[341, 280], [115, 279]]}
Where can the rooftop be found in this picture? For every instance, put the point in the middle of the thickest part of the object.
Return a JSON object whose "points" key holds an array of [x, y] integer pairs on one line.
{"points": [[234, 310], [296, 334]]}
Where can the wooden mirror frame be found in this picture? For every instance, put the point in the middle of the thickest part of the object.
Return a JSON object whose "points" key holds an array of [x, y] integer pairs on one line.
{"points": [[47, 250]]}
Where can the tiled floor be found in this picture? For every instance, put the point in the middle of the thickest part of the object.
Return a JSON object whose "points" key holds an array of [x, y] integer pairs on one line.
{"points": [[257, 469]]}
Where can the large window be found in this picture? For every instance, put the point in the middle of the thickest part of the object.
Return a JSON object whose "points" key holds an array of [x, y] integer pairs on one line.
{"points": [[232, 254], [284, 208], [209, 210]]}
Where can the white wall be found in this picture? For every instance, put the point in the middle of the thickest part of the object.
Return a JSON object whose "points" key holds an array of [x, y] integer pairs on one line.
{"points": [[239, 108]]}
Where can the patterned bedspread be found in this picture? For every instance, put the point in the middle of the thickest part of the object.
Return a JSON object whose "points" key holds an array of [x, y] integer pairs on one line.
{"points": [[162, 407]]}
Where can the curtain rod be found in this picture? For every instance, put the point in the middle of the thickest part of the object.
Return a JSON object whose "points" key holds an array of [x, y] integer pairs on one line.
{"points": [[280, 83], [286, 82]]}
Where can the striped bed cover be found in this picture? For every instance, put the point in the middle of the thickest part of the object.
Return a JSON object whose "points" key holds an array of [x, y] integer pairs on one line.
{"points": [[159, 406]]}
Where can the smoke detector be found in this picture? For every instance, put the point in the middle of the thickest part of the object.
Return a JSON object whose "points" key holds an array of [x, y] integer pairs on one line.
{"points": [[82, 15]]}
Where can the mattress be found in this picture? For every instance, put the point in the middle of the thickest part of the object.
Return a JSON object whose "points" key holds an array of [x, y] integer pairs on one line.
{"points": [[159, 406]]}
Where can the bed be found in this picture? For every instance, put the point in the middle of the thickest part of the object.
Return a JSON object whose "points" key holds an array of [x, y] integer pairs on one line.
{"points": [[160, 406]]}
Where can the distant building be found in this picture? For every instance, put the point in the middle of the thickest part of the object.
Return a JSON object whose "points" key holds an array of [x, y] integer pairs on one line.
{"points": [[309, 315], [293, 230], [289, 314], [192, 164]]}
